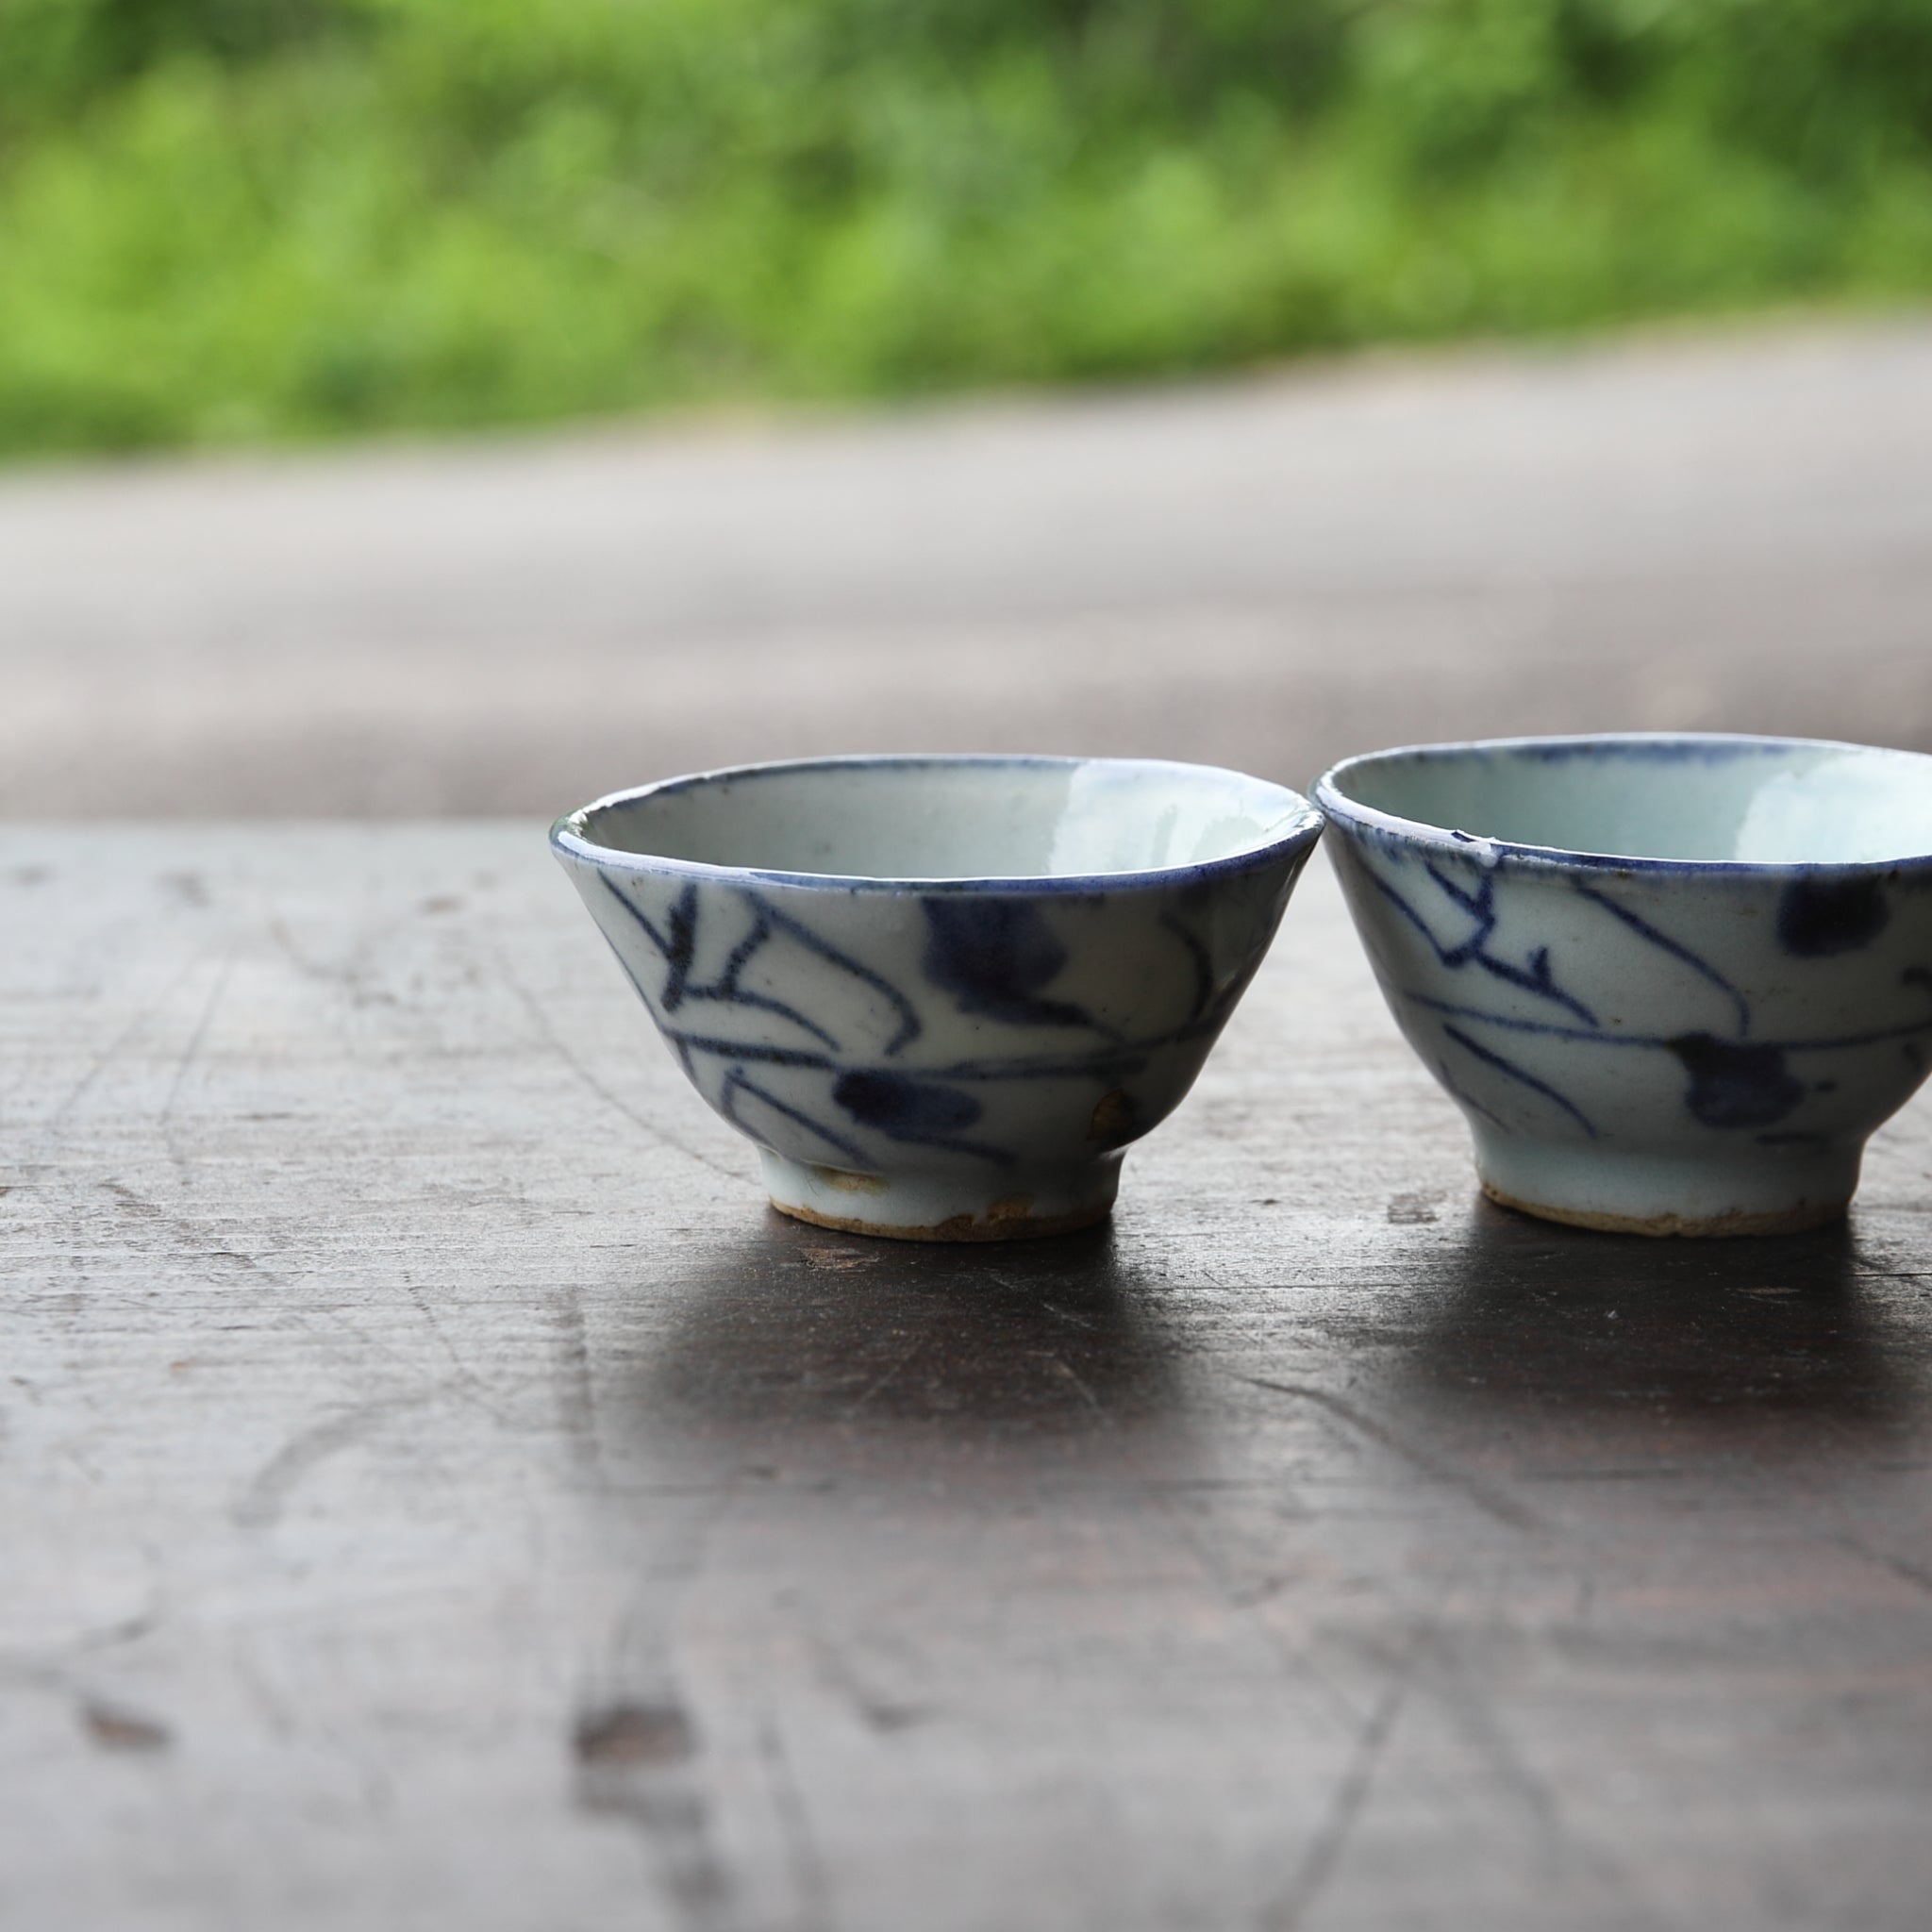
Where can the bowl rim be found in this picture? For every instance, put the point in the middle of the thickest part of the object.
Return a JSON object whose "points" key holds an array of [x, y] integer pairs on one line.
{"points": [[568, 839], [1352, 814]]}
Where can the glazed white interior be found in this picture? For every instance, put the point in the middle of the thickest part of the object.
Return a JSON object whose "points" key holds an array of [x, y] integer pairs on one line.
{"points": [[954, 819], [1762, 802]]}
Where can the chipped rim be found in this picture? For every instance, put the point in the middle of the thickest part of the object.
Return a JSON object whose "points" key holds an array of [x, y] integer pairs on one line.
{"points": [[1305, 826], [1353, 816]]}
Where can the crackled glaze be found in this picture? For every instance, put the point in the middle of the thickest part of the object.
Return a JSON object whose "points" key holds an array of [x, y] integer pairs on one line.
{"points": [[926, 1051], [1673, 982]]}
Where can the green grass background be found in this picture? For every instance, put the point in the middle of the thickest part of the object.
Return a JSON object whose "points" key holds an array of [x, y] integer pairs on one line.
{"points": [[227, 220]]}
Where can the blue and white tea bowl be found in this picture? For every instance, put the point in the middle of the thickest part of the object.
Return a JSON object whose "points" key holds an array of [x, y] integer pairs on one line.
{"points": [[941, 994], [1673, 982]]}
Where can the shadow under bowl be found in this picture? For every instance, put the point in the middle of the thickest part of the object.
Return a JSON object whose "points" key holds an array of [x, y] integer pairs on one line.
{"points": [[941, 994], [1673, 981]]}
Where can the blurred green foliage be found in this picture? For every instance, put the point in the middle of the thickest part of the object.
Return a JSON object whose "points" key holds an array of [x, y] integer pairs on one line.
{"points": [[226, 220]]}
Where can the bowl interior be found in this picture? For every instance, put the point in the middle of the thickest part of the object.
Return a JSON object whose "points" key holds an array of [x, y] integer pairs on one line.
{"points": [[936, 819], [1760, 801]]}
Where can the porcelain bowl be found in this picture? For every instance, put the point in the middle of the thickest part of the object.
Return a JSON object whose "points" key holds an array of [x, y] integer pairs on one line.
{"points": [[941, 994], [1673, 981]]}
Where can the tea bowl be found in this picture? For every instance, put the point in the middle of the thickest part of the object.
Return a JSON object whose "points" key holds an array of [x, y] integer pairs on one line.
{"points": [[1674, 982], [941, 994]]}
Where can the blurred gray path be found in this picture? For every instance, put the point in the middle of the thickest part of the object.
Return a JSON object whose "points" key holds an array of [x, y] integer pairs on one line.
{"points": [[1715, 532]]}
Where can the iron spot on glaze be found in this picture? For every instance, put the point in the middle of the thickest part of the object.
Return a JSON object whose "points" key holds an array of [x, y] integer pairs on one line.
{"points": [[1820, 918], [842, 1180], [1733, 1086], [1113, 1119]]}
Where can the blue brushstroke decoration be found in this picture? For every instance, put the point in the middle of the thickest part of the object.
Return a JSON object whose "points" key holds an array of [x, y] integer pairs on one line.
{"points": [[1455, 1091], [1535, 978], [921, 1112], [736, 1083], [1665, 943], [1197, 954], [997, 956], [1512, 1022], [1819, 919], [910, 1025], [1511, 1071], [677, 946], [1733, 1086], [994, 956]]}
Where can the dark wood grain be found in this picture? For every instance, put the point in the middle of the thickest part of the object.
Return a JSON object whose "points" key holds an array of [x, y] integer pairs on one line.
{"points": [[436, 1493]]}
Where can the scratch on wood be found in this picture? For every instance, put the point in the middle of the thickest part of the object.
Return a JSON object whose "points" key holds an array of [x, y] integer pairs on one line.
{"points": [[1914, 1573], [1440, 1674], [1066, 1315], [1351, 1795], [113, 1051], [885, 1378], [811, 1882], [135, 1204], [1444, 1678], [1505, 1509], [884, 1715], [126, 1630], [1298, 1666], [1093, 1401], [635, 1762], [468, 1381], [534, 1007], [269, 1489], [192, 1049], [318, 1321], [576, 1389], [351, 978], [196, 1237]]}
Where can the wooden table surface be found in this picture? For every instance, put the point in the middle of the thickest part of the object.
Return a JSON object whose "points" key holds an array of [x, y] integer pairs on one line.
{"points": [[435, 1491]]}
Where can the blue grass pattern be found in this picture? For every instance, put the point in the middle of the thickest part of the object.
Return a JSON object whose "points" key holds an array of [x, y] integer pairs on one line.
{"points": [[1697, 1053], [1509, 1069], [1197, 954], [1449, 1009], [1664, 943], [736, 1083], [678, 948], [916, 1113], [1480, 907], [1002, 971], [1459, 1092]]}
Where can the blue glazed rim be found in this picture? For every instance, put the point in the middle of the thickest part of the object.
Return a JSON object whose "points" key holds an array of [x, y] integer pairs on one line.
{"points": [[1658, 746], [567, 837]]}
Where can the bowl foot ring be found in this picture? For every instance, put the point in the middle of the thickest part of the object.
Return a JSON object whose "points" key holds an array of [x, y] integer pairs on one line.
{"points": [[995, 1225], [1806, 1215]]}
